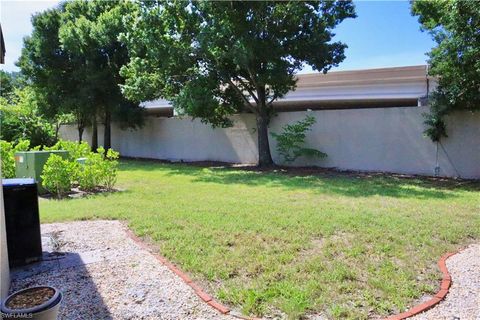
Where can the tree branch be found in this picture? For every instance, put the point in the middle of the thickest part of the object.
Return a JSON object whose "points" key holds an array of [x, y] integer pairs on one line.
{"points": [[247, 88], [248, 104], [269, 103]]}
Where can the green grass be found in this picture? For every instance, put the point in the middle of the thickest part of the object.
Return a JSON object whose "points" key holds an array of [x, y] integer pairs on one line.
{"points": [[271, 243]]}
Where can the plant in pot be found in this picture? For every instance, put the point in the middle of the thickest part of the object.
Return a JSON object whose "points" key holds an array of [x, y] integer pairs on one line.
{"points": [[38, 303]]}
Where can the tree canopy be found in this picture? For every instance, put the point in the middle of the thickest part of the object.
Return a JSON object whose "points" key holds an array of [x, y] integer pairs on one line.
{"points": [[9, 81], [74, 56], [54, 72], [21, 119], [454, 25], [213, 59]]}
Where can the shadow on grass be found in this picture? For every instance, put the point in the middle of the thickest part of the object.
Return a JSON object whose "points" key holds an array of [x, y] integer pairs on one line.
{"points": [[318, 180], [82, 195]]}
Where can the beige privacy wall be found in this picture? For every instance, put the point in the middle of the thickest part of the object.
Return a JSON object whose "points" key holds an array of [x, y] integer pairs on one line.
{"points": [[376, 139]]}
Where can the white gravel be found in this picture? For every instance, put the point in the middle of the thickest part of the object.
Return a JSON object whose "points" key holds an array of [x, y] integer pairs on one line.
{"points": [[463, 299], [106, 275]]}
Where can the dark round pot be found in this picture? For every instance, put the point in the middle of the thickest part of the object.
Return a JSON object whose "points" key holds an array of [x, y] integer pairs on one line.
{"points": [[48, 310]]}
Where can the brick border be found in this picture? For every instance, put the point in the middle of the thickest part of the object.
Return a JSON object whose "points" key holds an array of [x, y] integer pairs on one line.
{"points": [[182, 275], [439, 296]]}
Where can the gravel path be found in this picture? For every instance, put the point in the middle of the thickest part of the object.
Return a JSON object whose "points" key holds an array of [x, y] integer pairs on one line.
{"points": [[463, 299], [104, 274]]}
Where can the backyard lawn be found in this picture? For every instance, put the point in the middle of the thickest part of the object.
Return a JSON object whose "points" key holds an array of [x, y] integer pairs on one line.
{"points": [[344, 246]]}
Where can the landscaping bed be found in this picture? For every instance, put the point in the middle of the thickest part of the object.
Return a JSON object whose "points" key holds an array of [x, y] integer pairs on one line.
{"points": [[290, 245]]}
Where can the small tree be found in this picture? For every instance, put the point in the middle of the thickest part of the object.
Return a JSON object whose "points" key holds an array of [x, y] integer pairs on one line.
{"points": [[213, 59], [454, 25], [291, 142]]}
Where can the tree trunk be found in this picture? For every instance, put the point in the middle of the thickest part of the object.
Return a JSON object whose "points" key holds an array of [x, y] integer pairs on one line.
{"points": [[80, 133], [264, 155], [57, 128], [94, 134], [107, 133]]}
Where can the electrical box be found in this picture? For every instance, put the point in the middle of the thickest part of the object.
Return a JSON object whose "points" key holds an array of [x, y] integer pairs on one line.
{"points": [[81, 161], [29, 164]]}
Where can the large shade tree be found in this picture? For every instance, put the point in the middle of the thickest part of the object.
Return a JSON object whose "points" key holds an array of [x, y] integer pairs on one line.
{"points": [[455, 26], [213, 59], [53, 72], [74, 55]]}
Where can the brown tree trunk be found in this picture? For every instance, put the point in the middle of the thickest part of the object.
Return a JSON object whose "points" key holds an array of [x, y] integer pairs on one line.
{"points": [[264, 155], [80, 133], [57, 128], [94, 134], [107, 133]]}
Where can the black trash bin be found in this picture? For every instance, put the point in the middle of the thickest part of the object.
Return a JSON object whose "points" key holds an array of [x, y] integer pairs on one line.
{"points": [[22, 221]]}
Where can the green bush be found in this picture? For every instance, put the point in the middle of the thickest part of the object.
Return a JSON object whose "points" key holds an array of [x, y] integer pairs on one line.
{"points": [[109, 169], [58, 175], [75, 150], [90, 175], [7, 154], [290, 143], [100, 169]]}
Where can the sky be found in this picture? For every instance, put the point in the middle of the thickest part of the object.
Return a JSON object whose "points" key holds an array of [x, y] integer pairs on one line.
{"points": [[383, 35]]}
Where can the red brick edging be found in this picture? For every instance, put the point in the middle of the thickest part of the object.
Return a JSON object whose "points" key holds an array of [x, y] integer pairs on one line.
{"points": [[439, 296], [197, 289]]}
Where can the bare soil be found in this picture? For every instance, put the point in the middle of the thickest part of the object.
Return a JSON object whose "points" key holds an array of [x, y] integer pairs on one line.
{"points": [[30, 298]]}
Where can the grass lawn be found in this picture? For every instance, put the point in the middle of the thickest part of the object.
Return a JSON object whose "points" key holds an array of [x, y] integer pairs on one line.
{"points": [[276, 244]]}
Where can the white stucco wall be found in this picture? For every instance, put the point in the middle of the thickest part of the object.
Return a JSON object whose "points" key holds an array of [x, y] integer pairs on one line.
{"points": [[375, 139], [389, 139]]}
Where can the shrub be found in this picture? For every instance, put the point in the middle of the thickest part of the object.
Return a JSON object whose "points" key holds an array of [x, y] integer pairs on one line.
{"points": [[90, 174], [8, 163], [109, 169], [75, 150], [100, 169], [58, 175], [7, 153], [290, 143]]}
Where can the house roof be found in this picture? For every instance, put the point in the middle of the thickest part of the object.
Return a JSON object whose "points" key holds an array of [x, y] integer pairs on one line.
{"points": [[397, 86]]}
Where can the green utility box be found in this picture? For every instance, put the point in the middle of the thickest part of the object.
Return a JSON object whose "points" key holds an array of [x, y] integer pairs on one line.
{"points": [[29, 164], [82, 161]]}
